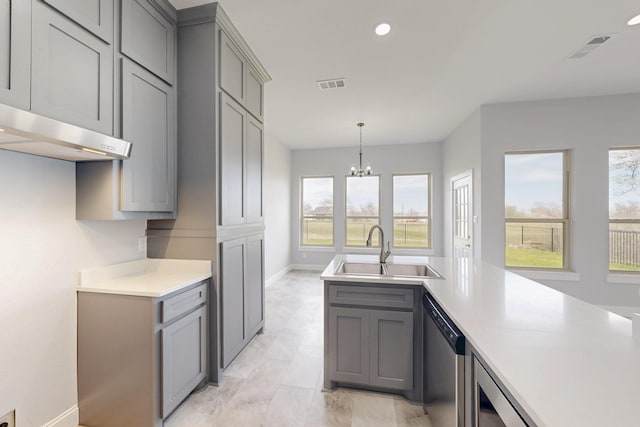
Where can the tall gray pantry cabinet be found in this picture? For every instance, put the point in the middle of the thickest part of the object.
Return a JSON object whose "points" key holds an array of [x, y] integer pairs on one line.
{"points": [[220, 174]]}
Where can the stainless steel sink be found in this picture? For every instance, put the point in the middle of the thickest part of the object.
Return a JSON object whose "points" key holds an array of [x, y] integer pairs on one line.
{"points": [[387, 269], [412, 270], [361, 268]]}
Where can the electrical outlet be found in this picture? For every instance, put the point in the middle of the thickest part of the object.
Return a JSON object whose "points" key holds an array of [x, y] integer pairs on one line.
{"points": [[142, 247], [8, 420]]}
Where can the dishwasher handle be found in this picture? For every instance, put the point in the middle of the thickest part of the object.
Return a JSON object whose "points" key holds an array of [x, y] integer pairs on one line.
{"points": [[449, 330]]}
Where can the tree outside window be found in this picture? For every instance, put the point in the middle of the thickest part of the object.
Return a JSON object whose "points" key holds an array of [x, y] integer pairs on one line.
{"points": [[536, 214], [362, 209], [624, 209], [411, 222], [317, 211]]}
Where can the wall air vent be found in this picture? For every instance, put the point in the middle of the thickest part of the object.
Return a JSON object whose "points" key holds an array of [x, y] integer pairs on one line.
{"points": [[592, 44], [331, 84]]}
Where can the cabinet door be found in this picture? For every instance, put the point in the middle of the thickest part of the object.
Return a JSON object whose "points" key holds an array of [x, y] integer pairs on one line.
{"points": [[349, 345], [148, 38], [232, 298], [148, 122], [392, 349], [232, 129], [232, 69], [254, 286], [184, 358], [253, 165], [94, 15], [15, 52], [255, 101], [72, 72]]}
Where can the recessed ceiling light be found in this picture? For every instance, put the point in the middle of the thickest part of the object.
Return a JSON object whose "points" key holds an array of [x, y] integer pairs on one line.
{"points": [[383, 29], [634, 21]]}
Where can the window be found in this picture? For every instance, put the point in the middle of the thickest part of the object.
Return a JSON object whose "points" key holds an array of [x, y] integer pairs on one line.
{"points": [[317, 211], [411, 211], [536, 214], [363, 209], [624, 209]]}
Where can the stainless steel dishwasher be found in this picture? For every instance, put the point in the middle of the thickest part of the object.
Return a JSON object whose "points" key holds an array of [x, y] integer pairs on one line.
{"points": [[444, 367]]}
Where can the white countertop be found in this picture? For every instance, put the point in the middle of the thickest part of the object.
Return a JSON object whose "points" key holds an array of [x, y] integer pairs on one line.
{"points": [[567, 363], [148, 277]]}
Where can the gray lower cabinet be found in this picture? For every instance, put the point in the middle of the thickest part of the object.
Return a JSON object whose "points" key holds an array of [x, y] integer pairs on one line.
{"points": [[94, 15], [242, 293], [373, 337], [139, 357], [184, 358], [71, 72], [15, 53], [148, 38]]}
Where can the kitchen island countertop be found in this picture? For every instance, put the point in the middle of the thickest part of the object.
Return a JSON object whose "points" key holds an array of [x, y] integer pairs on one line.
{"points": [[147, 277], [567, 363]]}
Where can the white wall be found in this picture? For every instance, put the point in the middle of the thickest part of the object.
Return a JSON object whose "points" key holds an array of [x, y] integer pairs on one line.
{"points": [[385, 160], [461, 153], [588, 127], [277, 203], [41, 250]]}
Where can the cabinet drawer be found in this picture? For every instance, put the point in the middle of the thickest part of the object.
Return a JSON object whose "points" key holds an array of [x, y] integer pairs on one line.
{"points": [[388, 297], [182, 303]]}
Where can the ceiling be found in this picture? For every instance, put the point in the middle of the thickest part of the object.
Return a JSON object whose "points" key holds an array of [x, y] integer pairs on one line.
{"points": [[440, 62]]}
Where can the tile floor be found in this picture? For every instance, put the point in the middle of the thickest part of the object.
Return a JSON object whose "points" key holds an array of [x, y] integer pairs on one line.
{"points": [[277, 379]]}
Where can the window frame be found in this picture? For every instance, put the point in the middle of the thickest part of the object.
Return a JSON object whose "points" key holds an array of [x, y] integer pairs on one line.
{"points": [[303, 216], [427, 217], [565, 220], [617, 220], [346, 207]]}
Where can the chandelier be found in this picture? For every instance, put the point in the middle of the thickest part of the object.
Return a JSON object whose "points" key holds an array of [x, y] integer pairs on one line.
{"points": [[360, 171]]}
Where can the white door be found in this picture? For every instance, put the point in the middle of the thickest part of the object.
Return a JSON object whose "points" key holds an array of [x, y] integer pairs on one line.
{"points": [[462, 208]]}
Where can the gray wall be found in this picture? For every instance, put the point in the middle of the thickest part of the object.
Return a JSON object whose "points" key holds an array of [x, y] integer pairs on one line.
{"points": [[41, 251], [586, 126], [385, 160], [277, 206], [461, 153]]}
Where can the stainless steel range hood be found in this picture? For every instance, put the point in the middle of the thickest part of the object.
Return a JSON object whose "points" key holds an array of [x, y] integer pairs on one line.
{"points": [[34, 134]]}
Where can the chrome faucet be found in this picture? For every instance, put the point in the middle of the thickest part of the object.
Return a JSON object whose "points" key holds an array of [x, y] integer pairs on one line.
{"points": [[383, 254]]}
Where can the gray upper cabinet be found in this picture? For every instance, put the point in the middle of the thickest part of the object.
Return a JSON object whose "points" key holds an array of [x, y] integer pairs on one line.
{"points": [[233, 120], [148, 121], [232, 69], [255, 97], [239, 79], [15, 52], [71, 72], [148, 38], [94, 15], [253, 166]]}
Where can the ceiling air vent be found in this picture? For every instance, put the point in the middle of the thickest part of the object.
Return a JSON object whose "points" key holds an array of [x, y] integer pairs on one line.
{"points": [[331, 84], [592, 44]]}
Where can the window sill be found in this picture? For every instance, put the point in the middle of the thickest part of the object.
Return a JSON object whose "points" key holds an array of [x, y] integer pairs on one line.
{"points": [[622, 278], [568, 276], [316, 249]]}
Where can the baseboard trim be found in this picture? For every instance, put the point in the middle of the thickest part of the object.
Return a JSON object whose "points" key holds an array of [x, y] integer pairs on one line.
{"points": [[622, 310], [274, 278], [69, 418], [307, 267]]}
